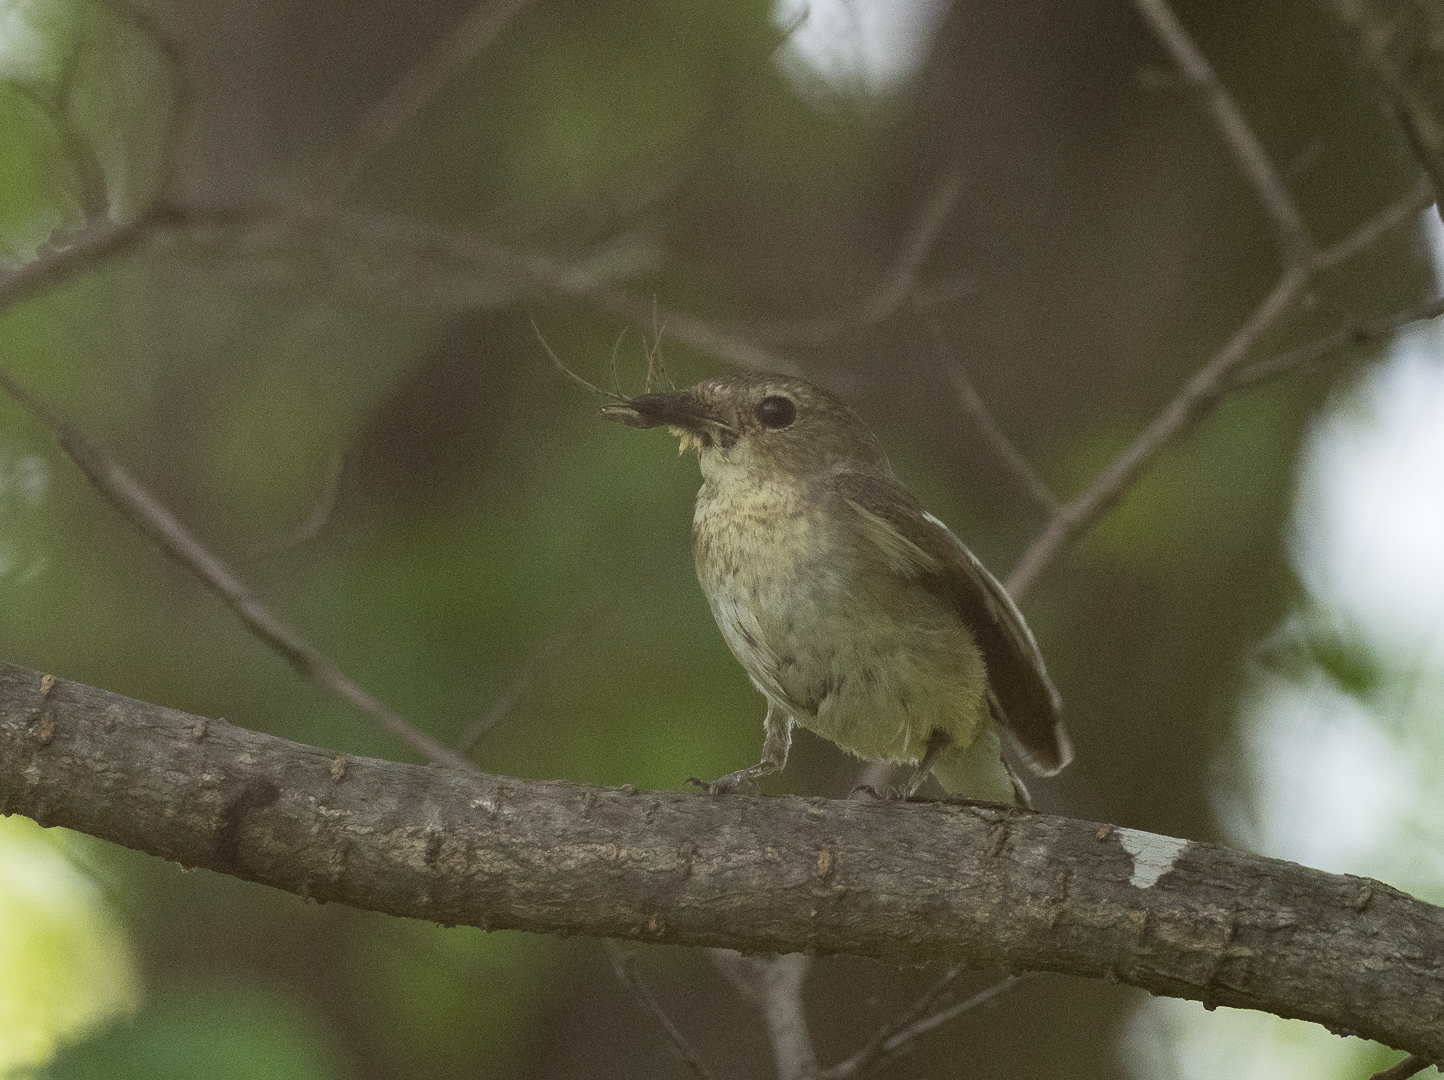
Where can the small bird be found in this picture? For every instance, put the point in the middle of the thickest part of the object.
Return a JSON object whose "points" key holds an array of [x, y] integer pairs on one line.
{"points": [[857, 613]]}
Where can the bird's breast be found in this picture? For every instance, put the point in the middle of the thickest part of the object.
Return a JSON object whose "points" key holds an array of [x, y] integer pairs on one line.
{"points": [[774, 577]]}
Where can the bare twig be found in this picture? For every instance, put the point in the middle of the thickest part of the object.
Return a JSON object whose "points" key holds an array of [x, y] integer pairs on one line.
{"points": [[1400, 212], [902, 276], [893, 1038], [774, 984], [1224, 372], [414, 91], [624, 964], [1180, 415], [872, 1052], [1365, 333], [63, 257], [506, 270], [1294, 239], [315, 521], [1404, 1069], [988, 427], [145, 512], [524, 678]]}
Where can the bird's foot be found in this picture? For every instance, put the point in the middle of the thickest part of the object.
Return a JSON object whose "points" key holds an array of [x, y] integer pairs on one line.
{"points": [[743, 781], [865, 791]]}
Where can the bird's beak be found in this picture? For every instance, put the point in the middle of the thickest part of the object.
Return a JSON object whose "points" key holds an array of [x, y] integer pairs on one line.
{"points": [[678, 409], [687, 418]]}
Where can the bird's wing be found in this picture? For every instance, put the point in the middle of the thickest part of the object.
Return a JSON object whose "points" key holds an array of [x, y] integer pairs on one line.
{"points": [[918, 546]]}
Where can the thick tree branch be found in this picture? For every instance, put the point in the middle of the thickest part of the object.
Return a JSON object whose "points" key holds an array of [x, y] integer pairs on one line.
{"points": [[964, 885]]}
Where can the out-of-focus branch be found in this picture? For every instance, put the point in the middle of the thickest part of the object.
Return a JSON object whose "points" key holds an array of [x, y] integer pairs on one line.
{"points": [[402, 262], [963, 885], [1410, 1066], [147, 513], [774, 985], [897, 1036], [414, 91], [988, 427], [624, 965], [320, 513], [1221, 374], [1401, 211], [1200, 395], [1401, 44], [504, 702], [902, 275], [1296, 243], [1195, 401], [89, 247], [1365, 333]]}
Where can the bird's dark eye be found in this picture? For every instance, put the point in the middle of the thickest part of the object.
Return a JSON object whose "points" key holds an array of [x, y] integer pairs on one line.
{"points": [[776, 411]]}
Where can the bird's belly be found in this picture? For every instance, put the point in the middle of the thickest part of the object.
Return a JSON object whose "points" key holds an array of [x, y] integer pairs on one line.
{"points": [[873, 667]]}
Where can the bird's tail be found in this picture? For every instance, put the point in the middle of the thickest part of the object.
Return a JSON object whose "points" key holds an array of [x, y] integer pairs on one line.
{"points": [[978, 771]]}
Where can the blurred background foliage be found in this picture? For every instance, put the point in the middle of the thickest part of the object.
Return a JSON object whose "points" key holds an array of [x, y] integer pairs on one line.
{"points": [[488, 549]]}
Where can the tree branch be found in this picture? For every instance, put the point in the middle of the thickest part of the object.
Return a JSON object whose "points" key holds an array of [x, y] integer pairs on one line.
{"points": [[988, 427], [902, 275], [774, 985], [625, 967], [1401, 45], [415, 90], [1225, 371], [145, 511], [1295, 241], [963, 885]]}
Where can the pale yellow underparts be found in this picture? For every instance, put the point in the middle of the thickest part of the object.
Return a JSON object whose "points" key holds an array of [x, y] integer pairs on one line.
{"points": [[832, 624]]}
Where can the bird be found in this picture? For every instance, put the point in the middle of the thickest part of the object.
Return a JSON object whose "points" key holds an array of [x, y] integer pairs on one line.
{"points": [[856, 613]]}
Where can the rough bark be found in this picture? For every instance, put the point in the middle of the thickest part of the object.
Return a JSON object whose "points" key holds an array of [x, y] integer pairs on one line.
{"points": [[960, 884]]}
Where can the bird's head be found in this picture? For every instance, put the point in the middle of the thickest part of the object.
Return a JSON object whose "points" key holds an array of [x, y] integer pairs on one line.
{"points": [[769, 426]]}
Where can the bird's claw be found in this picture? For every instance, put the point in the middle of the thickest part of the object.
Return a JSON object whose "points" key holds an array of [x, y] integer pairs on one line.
{"points": [[734, 783]]}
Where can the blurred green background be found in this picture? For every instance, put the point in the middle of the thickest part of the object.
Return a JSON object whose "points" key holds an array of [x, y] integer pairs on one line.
{"points": [[487, 538]]}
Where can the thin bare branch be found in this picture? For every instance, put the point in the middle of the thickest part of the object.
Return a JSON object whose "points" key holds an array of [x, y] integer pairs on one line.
{"points": [[549, 651], [1399, 212], [65, 256], [1192, 404], [902, 276], [1227, 370], [624, 964], [315, 521], [897, 1036], [1295, 241], [501, 271], [1403, 1070], [976, 408], [414, 91], [1366, 333], [774, 984], [144, 511]]}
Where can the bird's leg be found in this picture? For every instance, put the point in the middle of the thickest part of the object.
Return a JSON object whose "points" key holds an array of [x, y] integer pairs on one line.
{"points": [[776, 741], [938, 741]]}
